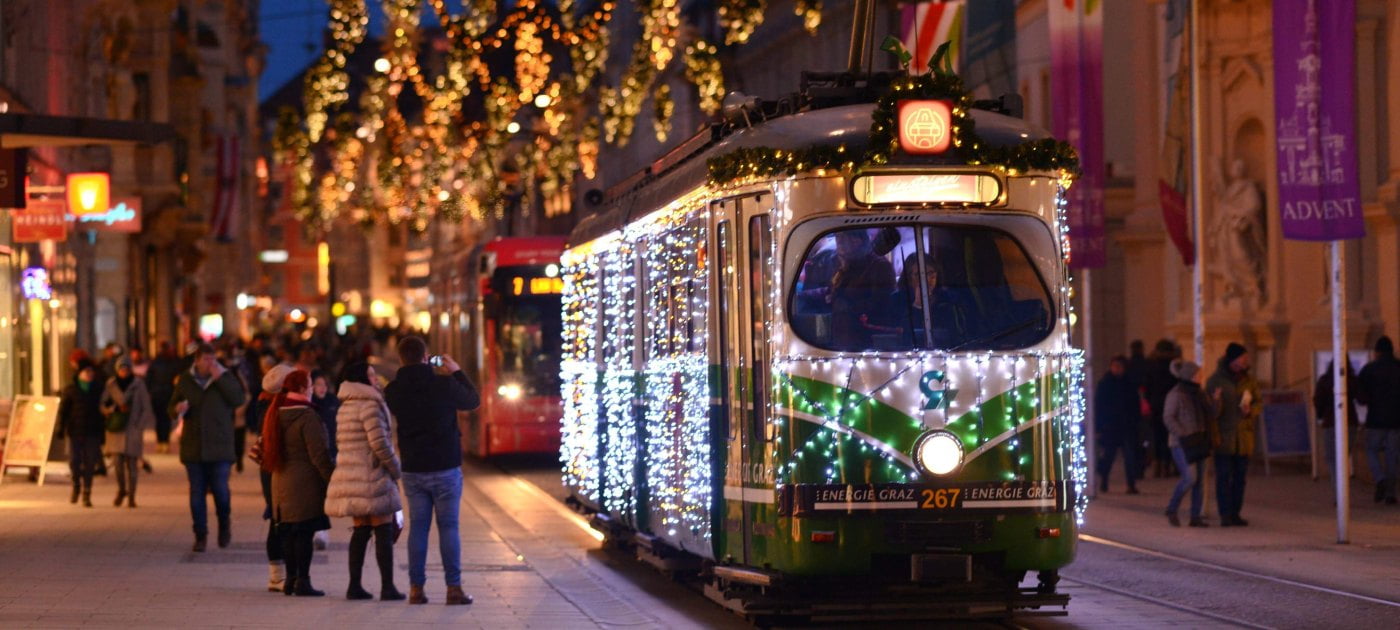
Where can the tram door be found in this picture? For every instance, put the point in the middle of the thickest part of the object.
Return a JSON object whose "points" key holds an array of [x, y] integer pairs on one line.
{"points": [[743, 287]]}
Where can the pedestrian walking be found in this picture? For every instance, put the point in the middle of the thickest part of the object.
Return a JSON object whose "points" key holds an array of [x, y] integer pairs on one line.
{"points": [[294, 451], [1116, 416], [1380, 391], [364, 485], [80, 420], [1187, 417], [160, 381], [206, 397], [425, 400], [127, 408], [1324, 404], [1236, 399]]}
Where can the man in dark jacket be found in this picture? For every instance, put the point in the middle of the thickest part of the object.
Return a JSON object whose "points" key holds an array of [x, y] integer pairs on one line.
{"points": [[1116, 416], [1380, 390], [425, 400], [80, 420], [206, 396], [1157, 384]]}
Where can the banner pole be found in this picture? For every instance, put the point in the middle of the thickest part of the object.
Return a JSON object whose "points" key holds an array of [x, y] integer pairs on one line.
{"points": [[1198, 232], [1092, 450], [1340, 474]]}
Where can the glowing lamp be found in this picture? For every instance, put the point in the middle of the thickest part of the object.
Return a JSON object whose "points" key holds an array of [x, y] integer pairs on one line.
{"points": [[939, 453], [88, 193], [925, 127]]}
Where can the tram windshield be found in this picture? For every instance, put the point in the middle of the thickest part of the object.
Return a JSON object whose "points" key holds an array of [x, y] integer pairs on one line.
{"points": [[919, 286], [528, 329]]}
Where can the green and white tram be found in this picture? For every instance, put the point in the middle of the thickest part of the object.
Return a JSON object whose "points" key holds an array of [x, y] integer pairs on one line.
{"points": [[821, 354]]}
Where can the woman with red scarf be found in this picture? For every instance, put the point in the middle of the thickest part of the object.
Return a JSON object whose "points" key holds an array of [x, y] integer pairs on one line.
{"points": [[295, 451]]}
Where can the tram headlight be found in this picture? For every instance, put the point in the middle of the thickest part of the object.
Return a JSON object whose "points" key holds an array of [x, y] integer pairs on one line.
{"points": [[509, 392], [939, 453]]}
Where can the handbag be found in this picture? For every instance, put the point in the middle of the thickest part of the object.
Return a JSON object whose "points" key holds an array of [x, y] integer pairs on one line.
{"points": [[116, 421], [1195, 446]]}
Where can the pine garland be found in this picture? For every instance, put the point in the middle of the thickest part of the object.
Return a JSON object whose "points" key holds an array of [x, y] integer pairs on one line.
{"points": [[1045, 154]]}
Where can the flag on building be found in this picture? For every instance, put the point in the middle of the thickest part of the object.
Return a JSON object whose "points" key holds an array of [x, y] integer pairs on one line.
{"points": [[1315, 104], [924, 26], [988, 55], [224, 217], [1174, 168], [1076, 65]]}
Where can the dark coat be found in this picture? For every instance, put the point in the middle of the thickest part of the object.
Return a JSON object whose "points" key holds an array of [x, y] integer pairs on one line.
{"points": [[426, 405], [299, 486], [327, 408], [80, 412], [1116, 408], [1159, 382], [1323, 403], [1380, 391], [160, 377], [208, 433]]}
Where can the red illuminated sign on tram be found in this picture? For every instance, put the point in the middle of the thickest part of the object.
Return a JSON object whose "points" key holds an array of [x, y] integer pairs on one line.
{"points": [[925, 127]]}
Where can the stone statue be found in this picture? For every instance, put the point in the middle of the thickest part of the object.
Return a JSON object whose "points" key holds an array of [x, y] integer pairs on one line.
{"points": [[1237, 239]]}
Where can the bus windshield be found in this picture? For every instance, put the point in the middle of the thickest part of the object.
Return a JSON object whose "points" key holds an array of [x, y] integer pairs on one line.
{"points": [[919, 286], [528, 332]]}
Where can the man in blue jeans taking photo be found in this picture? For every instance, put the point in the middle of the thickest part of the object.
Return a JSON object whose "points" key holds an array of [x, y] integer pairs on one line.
{"points": [[425, 398]]}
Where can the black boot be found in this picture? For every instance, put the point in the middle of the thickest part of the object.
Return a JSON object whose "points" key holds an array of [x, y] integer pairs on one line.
{"points": [[304, 550], [384, 556], [77, 491], [87, 497], [289, 556], [225, 532], [359, 541]]}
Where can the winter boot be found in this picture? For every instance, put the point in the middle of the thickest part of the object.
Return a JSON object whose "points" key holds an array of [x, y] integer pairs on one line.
{"points": [[455, 597], [121, 496], [416, 594], [303, 588], [359, 541], [87, 497], [276, 577], [77, 491], [200, 540], [384, 556]]}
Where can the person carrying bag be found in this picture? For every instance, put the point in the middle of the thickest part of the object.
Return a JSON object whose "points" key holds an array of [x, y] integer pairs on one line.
{"points": [[1187, 413]]}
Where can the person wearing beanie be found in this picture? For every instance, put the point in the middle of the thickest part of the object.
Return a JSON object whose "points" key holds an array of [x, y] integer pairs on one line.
{"points": [[1379, 389], [273, 378], [1235, 396], [1187, 413], [80, 420], [127, 407]]}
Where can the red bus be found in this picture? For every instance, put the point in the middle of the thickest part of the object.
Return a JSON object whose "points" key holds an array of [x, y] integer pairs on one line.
{"points": [[498, 314]]}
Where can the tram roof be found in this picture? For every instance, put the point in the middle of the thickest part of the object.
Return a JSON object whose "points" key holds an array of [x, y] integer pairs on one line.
{"points": [[684, 168]]}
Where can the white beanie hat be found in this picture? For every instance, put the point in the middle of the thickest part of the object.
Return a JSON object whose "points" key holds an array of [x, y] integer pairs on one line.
{"points": [[272, 380]]}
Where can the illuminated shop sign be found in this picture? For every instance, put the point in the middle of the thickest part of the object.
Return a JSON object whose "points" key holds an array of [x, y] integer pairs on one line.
{"points": [[925, 127], [123, 216], [926, 188], [88, 193], [34, 284]]}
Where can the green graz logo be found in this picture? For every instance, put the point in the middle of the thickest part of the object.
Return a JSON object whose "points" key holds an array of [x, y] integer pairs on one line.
{"points": [[936, 398]]}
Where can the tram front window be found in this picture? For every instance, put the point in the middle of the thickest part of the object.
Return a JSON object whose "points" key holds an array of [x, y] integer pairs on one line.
{"points": [[907, 287], [528, 328]]}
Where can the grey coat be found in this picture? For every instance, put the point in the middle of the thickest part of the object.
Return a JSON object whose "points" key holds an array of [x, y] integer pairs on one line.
{"points": [[1186, 411], [367, 468], [299, 486], [140, 415]]}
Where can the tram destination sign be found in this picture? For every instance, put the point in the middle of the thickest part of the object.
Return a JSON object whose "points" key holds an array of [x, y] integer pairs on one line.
{"points": [[876, 189], [828, 499]]}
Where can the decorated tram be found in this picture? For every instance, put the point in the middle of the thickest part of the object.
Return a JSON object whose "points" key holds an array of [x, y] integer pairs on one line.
{"points": [[819, 356]]}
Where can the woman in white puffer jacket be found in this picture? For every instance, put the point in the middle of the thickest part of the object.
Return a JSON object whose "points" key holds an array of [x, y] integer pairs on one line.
{"points": [[364, 485]]}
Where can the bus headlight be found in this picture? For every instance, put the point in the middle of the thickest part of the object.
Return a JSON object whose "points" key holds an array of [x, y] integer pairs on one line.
{"points": [[939, 453], [509, 392]]}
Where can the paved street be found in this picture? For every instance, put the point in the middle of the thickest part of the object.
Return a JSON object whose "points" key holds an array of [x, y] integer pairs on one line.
{"points": [[530, 563]]}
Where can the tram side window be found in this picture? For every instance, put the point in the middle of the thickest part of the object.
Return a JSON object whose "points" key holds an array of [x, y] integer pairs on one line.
{"points": [[955, 287]]}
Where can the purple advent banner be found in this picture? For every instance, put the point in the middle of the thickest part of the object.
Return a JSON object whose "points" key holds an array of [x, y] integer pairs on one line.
{"points": [[1314, 102], [1076, 65]]}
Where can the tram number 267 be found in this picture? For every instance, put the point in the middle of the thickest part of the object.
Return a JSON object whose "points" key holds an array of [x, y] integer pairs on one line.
{"points": [[941, 499]]}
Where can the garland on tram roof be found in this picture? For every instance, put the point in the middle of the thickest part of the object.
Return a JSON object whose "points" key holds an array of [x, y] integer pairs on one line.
{"points": [[1046, 154]]}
